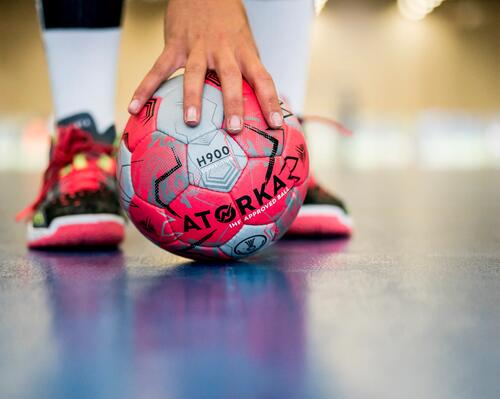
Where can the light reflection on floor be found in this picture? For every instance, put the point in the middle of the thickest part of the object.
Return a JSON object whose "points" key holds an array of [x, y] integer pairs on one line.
{"points": [[407, 308]]}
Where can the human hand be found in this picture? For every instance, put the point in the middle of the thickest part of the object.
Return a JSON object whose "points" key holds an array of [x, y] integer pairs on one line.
{"points": [[214, 35]]}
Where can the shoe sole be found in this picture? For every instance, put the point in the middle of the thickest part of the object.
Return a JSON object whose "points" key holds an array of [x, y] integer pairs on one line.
{"points": [[321, 220], [98, 230]]}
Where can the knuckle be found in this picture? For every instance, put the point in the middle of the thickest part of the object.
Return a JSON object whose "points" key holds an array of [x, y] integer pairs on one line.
{"points": [[264, 90], [265, 97], [170, 53], [191, 95], [233, 103], [155, 74], [159, 70], [230, 73], [268, 104], [140, 92], [195, 68], [263, 77], [273, 100]]}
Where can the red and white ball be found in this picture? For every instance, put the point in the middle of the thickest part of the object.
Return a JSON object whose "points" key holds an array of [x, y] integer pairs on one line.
{"points": [[201, 192]]}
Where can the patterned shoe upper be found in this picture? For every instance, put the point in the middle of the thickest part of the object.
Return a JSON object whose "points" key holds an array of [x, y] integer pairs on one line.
{"points": [[80, 178], [317, 195]]}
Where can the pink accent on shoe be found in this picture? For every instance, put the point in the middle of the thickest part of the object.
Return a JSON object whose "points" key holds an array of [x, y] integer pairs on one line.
{"points": [[98, 234], [324, 220]]}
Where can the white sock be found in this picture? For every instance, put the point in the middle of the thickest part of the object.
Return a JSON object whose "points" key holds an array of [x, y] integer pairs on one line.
{"points": [[282, 31], [82, 67]]}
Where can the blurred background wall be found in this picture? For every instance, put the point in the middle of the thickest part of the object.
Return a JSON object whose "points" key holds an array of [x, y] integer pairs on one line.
{"points": [[418, 92]]}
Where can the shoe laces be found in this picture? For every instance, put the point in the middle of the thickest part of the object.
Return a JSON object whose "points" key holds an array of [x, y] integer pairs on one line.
{"points": [[70, 142], [339, 128]]}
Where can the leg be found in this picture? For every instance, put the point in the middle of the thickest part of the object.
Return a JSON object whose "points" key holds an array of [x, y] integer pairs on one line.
{"points": [[282, 31], [81, 39], [78, 202]]}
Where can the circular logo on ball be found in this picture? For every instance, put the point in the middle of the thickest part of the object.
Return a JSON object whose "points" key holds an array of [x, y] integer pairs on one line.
{"points": [[225, 213], [250, 244]]}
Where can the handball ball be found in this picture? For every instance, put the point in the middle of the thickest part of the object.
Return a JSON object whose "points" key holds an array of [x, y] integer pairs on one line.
{"points": [[201, 192]]}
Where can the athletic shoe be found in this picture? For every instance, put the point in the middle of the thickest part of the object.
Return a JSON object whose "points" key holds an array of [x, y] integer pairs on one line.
{"points": [[322, 214], [78, 203]]}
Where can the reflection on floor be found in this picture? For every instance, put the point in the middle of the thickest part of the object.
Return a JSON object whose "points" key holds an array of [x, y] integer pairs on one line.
{"points": [[407, 308]]}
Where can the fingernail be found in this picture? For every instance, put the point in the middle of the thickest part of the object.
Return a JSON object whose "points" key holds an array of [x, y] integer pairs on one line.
{"points": [[191, 115], [277, 119], [234, 124], [134, 106]]}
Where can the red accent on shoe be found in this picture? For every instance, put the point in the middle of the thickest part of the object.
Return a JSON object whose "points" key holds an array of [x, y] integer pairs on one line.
{"points": [[316, 225], [102, 234], [71, 141], [324, 218]]}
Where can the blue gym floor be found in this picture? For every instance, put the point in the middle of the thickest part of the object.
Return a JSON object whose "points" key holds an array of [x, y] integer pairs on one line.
{"points": [[408, 308]]}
